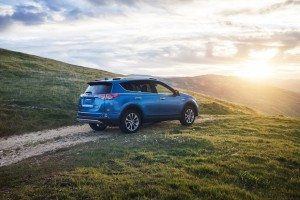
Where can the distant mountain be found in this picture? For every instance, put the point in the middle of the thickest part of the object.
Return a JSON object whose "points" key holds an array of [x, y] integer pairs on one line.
{"points": [[268, 99], [290, 84]]}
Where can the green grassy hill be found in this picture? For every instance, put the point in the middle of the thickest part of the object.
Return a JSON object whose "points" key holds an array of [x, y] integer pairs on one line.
{"points": [[38, 93]]}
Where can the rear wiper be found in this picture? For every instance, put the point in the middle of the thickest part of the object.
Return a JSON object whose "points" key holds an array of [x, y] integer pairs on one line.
{"points": [[88, 92]]}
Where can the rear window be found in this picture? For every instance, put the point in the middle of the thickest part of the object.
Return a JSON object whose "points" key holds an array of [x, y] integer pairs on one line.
{"points": [[99, 88]]}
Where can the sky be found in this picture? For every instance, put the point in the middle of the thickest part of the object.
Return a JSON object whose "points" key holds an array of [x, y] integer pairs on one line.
{"points": [[257, 38]]}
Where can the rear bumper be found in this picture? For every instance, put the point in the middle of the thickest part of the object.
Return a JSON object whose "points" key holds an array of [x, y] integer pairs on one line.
{"points": [[84, 117], [88, 120]]}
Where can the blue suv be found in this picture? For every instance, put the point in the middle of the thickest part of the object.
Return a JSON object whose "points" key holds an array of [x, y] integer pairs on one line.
{"points": [[129, 102]]}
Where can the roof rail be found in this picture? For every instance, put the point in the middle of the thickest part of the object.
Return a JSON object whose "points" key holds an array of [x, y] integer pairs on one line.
{"points": [[137, 76]]}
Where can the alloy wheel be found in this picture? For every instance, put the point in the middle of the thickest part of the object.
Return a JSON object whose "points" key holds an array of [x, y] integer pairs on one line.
{"points": [[189, 116], [132, 122]]}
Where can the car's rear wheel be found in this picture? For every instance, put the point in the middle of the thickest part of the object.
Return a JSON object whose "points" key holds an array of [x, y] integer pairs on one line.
{"points": [[130, 121], [98, 126], [188, 116]]}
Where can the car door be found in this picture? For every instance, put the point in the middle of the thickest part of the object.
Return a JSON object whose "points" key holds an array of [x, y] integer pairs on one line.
{"points": [[168, 103], [144, 97]]}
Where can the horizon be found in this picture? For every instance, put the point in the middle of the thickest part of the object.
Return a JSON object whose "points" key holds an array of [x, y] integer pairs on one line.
{"points": [[169, 76], [257, 41]]}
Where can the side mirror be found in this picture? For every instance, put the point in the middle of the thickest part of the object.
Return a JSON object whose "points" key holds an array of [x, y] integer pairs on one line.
{"points": [[176, 93]]}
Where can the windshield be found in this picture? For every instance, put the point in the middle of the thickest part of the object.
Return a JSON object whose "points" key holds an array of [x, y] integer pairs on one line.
{"points": [[99, 88]]}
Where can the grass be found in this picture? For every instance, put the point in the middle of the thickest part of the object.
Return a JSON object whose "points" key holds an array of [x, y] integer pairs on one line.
{"points": [[241, 157], [213, 106], [38, 93]]}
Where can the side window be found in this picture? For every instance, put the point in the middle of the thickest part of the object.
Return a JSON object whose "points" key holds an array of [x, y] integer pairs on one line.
{"points": [[130, 86], [137, 86], [161, 89], [145, 86]]}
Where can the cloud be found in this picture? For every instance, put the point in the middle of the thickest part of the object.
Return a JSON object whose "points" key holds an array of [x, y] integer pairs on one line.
{"points": [[278, 6], [30, 14], [36, 12], [267, 9], [153, 36], [4, 21], [109, 2]]}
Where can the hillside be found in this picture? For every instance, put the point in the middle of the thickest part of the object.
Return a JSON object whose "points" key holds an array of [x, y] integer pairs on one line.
{"points": [[289, 84], [38, 93], [265, 98]]}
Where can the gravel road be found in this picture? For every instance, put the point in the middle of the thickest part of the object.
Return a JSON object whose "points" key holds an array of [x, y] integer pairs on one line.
{"points": [[16, 148]]}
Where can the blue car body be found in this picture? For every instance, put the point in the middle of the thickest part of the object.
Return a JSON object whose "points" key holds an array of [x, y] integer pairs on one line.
{"points": [[105, 100]]}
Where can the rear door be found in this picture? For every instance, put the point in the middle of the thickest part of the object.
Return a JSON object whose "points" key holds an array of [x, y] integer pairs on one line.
{"points": [[92, 100], [143, 96]]}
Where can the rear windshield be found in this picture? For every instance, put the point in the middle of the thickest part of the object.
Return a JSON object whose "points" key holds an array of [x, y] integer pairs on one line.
{"points": [[99, 88]]}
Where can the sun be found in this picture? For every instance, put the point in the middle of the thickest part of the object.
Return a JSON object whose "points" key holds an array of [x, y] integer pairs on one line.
{"points": [[255, 71], [257, 67]]}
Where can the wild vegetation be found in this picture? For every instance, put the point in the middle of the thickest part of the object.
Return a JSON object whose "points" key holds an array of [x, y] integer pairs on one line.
{"points": [[236, 157], [38, 93]]}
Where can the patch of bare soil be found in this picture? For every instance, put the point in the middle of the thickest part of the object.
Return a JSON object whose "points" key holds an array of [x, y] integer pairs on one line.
{"points": [[16, 148]]}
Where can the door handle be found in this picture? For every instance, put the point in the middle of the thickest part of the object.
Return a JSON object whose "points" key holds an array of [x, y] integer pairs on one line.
{"points": [[138, 98], [162, 98]]}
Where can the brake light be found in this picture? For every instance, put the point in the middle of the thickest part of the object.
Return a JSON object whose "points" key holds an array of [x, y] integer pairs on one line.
{"points": [[109, 96]]}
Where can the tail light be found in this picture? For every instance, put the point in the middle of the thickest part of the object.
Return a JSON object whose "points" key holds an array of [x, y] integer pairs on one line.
{"points": [[109, 96]]}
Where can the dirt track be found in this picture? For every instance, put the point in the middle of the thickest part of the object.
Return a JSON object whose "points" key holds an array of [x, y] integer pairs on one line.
{"points": [[16, 148]]}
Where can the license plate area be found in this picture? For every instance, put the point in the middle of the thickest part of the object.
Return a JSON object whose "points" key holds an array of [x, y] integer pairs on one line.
{"points": [[88, 102], [87, 106]]}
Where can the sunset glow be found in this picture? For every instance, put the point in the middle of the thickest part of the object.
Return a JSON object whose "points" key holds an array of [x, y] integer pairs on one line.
{"points": [[257, 67], [255, 71]]}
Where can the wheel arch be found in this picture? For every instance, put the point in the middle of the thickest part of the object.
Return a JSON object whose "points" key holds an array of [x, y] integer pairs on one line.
{"points": [[193, 105], [134, 107]]}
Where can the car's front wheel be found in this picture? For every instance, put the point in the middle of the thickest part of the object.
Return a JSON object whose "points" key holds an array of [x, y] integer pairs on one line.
{"points": [[188, 116], [98, 126], [130, 121]]}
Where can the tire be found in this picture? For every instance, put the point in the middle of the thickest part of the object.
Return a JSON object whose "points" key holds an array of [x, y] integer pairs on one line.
{"points": [[98, 126], [188, 116], [130, 121]]}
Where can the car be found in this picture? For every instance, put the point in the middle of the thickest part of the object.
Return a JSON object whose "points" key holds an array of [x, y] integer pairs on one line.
{"points": [[131, 102]]}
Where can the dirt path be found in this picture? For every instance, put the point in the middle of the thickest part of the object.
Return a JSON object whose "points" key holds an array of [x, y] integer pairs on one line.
{"points": [[16, 148], [19, 147]]}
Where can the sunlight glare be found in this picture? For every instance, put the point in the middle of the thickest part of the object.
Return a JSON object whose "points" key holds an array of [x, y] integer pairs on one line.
{"points": [[257, 67]]}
